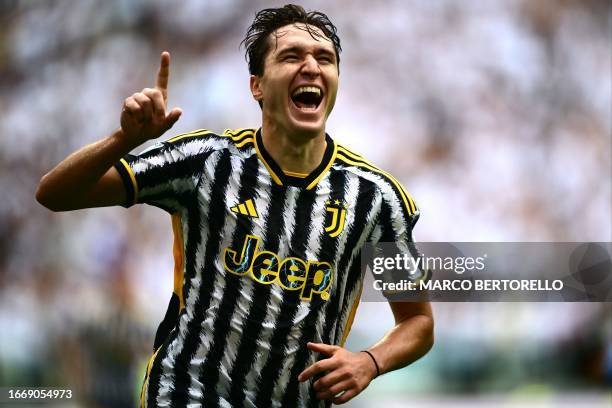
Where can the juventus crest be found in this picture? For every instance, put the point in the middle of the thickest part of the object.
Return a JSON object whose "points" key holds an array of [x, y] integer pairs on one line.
{"points": [[337, 209]]}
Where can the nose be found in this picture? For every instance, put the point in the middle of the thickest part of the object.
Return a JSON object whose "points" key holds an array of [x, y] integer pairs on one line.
{"points": [[311, 66]]}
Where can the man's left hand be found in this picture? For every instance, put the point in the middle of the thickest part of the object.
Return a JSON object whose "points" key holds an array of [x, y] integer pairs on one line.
{"points": [[345, 372]]}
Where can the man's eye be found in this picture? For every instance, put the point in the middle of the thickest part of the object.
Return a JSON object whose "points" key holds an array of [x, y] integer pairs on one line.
{"points": [[290, 58]]}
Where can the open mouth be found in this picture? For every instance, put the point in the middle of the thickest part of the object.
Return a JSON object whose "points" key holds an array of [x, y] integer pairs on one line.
{"points": [[307, 97]]}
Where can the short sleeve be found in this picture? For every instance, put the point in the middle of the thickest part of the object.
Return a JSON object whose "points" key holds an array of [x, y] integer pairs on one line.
{"points": [[398, 215], [394, 230], [166, 173]]}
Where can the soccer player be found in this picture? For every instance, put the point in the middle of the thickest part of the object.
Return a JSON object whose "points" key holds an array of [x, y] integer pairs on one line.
{"points": [[269, 225]]}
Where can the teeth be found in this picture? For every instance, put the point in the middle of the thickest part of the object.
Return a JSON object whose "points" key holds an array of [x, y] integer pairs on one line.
{"points": [[303, 89]]}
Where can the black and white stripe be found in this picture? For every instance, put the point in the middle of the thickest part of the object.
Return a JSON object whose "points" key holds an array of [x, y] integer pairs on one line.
{"points": [[282, 208], [239, 343]]}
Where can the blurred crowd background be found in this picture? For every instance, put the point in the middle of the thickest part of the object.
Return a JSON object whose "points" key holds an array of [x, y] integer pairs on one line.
{"points": [[496, 116]]}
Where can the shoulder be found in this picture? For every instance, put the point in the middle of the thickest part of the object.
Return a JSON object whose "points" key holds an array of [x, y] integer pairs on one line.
{"points": [[386, 183], [236, 140]]}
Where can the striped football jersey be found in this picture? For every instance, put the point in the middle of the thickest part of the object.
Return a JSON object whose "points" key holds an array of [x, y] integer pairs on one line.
{"points": [[265, 262]]}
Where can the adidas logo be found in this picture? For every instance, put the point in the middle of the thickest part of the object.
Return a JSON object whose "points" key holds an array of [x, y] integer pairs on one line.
{"points": [[246, 208]]}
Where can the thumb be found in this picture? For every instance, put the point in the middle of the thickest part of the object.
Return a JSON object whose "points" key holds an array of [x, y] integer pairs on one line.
{"points": [[172, 117]]}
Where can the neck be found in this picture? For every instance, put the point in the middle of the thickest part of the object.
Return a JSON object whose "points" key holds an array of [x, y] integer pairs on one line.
{"points": [[292, 152]]}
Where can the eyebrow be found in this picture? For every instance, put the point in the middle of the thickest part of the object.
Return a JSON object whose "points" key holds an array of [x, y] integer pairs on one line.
{"points": [[299, 49]]}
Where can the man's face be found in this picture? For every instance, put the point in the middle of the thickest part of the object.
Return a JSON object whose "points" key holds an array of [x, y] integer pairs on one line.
{"points": [[300, 81]]}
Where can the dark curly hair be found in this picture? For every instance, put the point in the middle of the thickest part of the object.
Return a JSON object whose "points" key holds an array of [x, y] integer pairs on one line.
{"points": [[270, 19]]}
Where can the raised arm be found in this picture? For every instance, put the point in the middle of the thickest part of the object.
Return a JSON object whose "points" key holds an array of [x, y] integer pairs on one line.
{"points": [[87, 178]]}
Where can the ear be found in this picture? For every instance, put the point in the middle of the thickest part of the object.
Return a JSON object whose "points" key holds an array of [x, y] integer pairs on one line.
{"points": [[255, 83]]}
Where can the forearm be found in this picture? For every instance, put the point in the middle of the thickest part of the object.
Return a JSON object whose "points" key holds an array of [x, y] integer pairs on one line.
{"points": [[66, 185], [405, 343]]}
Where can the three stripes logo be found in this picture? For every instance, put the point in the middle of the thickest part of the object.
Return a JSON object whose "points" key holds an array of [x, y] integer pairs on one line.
{"points": [[337, 209], [246, 208]]}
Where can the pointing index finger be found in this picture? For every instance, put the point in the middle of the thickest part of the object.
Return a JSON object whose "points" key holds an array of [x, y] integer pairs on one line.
{"points": [[162, 75]]}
